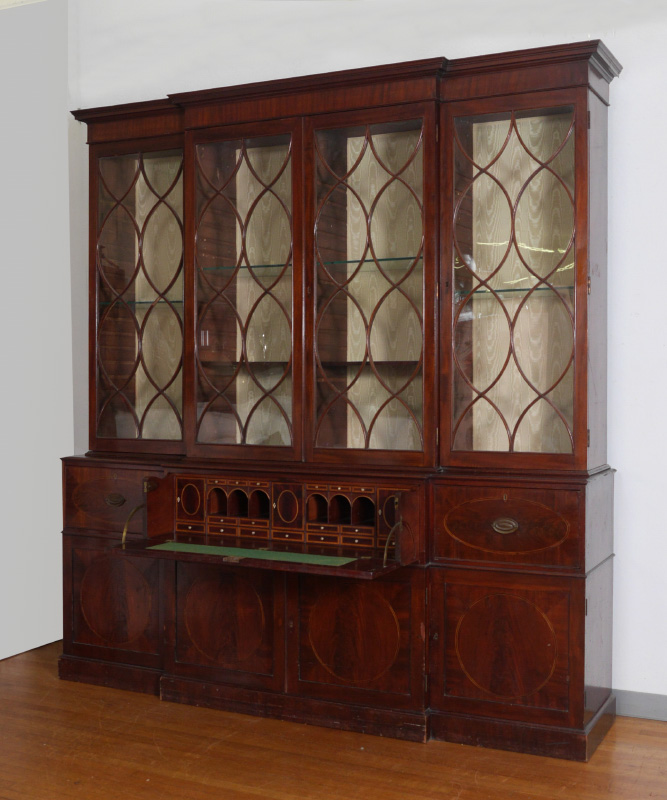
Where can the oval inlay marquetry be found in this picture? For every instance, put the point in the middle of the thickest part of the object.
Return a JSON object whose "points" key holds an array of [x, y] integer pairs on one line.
{"points": [[538, 526], [506, 646], [190, 499], [354, 633], [115, 600], [287, 506], [224, 618]]}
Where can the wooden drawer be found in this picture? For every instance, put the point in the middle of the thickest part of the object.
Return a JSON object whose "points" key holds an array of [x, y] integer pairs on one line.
{"points": [[322, 538], [358, 541], [99, 498], [292, 536], [253, 532], [509, 524], [190, 527], [215, 529], [317, 528]]}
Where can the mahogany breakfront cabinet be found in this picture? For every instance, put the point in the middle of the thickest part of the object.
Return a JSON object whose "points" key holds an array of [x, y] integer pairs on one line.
{"points": [[347, 402]]}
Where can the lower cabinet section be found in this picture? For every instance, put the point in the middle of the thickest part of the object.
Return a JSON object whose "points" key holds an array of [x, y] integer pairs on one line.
{"points": [[226, 624], [358, 641], [509, 662], [112, 604], [478, 656], [505, 645]]}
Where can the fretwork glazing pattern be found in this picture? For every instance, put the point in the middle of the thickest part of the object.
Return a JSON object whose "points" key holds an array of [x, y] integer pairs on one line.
{"points": [[513, 277], [139, 265], [369, 240], [243, 263]]}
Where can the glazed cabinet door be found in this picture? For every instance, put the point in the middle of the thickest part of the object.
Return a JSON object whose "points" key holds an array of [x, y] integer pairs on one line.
{"points": [[137, 331], [507, 646], [514, 269], [357, 641], [370, 292], [246, 254]]}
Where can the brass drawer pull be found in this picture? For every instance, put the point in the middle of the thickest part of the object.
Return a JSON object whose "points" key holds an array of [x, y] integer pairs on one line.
{"points": [[114, 499], [505, 525], [127, 522]]}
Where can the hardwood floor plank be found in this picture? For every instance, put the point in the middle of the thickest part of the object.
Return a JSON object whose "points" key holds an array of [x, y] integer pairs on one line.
{"points": [[68, 741]]}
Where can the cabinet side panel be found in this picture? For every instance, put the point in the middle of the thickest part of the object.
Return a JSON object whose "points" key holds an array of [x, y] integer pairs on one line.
{"points": [[599, 519], [597, 667], [597, 273]]}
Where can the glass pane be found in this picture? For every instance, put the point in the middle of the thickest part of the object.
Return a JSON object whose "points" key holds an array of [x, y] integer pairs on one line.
{"points": [[140, 296], [513, 271], [243, 260], [369, 272]]}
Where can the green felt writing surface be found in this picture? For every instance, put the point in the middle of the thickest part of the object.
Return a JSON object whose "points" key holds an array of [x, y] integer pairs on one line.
{"points": [[242, 552]]}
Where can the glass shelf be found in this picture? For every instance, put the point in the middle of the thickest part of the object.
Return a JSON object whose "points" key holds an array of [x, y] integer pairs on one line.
{"points": [[514, 291], [211, 355], [369, 264], [135, 303], [367, 363], [232, 268]]}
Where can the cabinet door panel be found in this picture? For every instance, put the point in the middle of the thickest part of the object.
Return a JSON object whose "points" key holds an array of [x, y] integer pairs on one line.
{"points": [[228, 625], [137, 257], [515, 199], [246, 264], [507, 646], [115, 605], [358, 641], [369, 205]]}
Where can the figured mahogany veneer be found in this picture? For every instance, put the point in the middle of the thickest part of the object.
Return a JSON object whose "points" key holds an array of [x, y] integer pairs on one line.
{"points": [[358, 315]]}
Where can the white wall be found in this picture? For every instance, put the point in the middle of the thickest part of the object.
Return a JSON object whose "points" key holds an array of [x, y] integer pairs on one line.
{"points": [[141, 49], [35, 329]]}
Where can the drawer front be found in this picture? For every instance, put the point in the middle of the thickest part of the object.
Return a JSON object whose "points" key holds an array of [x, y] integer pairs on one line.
{"points": [[187, 527], [253, 532], [509, 525], [289, 535], [102, 498]]}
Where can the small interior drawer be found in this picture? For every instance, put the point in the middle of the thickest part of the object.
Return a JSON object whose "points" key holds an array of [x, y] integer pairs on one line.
{"points": [[508, 524]]}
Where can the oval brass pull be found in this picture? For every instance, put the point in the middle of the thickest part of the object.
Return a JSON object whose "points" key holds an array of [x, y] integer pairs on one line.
{"points": [[505, 525], [115, 499]]}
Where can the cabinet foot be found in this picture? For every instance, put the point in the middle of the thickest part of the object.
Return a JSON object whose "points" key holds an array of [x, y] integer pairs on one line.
{"points": [[569, 743], [116, 676]]}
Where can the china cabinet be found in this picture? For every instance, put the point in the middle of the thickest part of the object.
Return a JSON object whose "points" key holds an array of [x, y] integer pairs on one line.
{"points": [[347, 402]]}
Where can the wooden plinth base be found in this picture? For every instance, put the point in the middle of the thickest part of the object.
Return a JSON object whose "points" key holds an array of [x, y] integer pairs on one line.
{"points": [[116, 676], [412, 726], [575, 745], [416, 726]]}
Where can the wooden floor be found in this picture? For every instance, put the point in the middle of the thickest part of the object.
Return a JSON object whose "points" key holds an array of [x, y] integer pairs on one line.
{"points": [[67, 740]]}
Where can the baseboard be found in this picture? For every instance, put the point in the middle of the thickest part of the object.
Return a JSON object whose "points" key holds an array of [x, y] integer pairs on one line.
{"points": [[641, 704]]}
